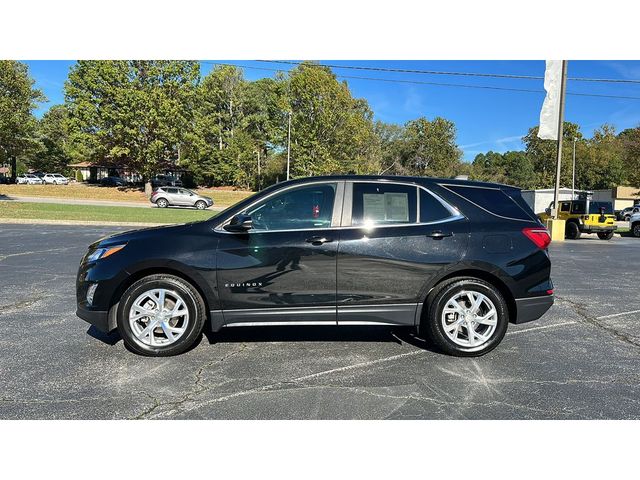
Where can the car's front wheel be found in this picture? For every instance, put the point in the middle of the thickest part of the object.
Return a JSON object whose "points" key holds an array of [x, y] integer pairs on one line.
{"points": [[605, 235], [200, 205], [466, 317], [636, 230], [160, 315], [572, 231]]}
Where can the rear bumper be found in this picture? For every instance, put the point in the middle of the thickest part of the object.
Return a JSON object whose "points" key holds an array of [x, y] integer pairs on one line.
{"points": [[530, 309], [596, 229]]}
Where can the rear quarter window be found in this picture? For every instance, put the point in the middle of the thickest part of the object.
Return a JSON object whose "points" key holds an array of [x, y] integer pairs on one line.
{"points": [[495, 201]]}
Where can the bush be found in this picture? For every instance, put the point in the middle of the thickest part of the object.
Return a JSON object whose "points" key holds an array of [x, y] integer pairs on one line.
{"points": [[79, 177]]}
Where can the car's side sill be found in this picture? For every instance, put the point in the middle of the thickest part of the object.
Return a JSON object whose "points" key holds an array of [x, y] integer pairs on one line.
{"points": [[384, 314]]}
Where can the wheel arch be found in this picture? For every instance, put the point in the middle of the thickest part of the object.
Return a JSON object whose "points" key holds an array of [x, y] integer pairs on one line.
{"points": [[488, 277], [155, 270]]}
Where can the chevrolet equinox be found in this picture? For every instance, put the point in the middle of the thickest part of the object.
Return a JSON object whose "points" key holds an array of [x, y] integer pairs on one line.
{"points": [[457, 260]]}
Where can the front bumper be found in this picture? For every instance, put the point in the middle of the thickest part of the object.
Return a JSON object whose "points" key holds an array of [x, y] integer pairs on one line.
{"points": [[97, 318], [530, 309]]}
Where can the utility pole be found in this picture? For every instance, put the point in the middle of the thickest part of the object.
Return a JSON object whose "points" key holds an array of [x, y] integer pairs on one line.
{"points": [[289, 147], [573, 176], [258, 152], [563, 86]]}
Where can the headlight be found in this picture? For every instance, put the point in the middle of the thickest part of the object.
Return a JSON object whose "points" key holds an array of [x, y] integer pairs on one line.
{"points": [[104, 252]]}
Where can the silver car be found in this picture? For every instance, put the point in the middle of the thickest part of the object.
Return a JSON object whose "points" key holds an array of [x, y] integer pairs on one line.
{"points": [[55, 179], [176, 196]]}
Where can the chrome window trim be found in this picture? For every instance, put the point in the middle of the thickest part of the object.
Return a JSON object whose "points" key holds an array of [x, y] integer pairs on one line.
{"points": [[347, 207]]}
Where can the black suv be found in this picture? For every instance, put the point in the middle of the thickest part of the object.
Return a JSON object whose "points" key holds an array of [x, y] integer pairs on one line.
{"points": [[165, 181], [455, 259]]}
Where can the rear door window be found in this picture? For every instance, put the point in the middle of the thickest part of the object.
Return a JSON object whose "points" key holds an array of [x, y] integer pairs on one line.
{"points": [[380, 204]]}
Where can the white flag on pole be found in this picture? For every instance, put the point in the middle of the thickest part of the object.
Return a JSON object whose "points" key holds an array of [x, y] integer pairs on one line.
{"points": [[551, 107]]}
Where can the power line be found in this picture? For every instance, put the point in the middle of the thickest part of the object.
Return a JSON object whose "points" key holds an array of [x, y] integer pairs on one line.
{"points": [[462, 74], [440, 84]]}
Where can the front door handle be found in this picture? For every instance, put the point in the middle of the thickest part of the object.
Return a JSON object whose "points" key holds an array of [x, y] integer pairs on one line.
{"points": [[438, 234], [318, 240]]}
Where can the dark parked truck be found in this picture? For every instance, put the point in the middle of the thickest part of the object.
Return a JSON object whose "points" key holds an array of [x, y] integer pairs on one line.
{"points": [[456, 260]]}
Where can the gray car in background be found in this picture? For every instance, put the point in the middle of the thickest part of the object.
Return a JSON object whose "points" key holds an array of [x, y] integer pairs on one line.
{"points": [[181, 197]]}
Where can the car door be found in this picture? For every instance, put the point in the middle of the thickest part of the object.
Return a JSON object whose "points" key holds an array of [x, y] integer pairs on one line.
{"points": [[400, 235], [283, 269], [172, 195], [182, 197]]}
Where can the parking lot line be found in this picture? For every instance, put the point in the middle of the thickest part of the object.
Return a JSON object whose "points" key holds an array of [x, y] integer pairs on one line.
{"points": [[543, 327], [617, 314]]}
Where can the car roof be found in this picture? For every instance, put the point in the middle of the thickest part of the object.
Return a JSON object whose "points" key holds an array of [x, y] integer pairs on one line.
{"points": [[397, 178]]}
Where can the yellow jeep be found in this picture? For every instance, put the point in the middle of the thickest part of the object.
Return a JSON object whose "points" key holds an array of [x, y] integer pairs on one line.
{"points": [[584, 216]]}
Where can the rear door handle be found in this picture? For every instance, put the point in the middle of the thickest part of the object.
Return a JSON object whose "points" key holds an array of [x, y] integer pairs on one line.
{"points": [[438, 234], [318, 240]]}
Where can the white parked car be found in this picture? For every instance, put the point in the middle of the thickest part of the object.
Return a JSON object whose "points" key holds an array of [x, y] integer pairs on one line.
{"points": [[55, 179], [28, 179], [634, 224]]}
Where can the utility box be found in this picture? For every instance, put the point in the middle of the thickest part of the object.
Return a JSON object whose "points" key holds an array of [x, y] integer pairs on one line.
{"points": [[556, 229]]}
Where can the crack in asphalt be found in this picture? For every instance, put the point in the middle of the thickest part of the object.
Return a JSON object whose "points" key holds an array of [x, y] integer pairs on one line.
{"points": [[196, 390], [581, 311]]}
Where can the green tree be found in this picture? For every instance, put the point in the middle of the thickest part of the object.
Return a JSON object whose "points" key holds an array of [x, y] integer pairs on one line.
{"points": [[53, 136], [132, 112], [18, 99], [630, 146], [331, 132], [600, 161], [512, 168], [429, 148], [543, 155]]}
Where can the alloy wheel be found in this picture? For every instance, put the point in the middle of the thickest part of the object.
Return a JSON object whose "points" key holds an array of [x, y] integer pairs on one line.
{"points": [[158, 317], [469, 318]]}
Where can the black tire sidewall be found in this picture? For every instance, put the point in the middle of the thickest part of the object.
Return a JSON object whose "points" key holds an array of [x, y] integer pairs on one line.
{"points": [[436, 330], [194, 306], [573, 231], [635, 230], [605, 235]]}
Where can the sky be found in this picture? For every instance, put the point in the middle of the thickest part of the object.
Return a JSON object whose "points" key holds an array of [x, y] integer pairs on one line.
{"points": [[485, 118]]}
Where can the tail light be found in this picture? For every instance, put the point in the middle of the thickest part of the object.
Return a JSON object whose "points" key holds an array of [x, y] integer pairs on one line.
{"points": [[539, 236]]}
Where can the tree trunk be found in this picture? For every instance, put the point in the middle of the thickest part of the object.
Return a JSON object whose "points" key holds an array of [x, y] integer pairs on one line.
{"points": [[148, 189]]}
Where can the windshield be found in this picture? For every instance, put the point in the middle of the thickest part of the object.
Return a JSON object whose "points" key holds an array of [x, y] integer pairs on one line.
{"points": [[595, 207]]}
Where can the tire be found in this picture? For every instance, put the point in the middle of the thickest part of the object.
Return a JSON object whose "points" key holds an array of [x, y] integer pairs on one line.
{"points": [[162, 203], [605, 235], [454, 290], [200, 205], [627, 218], [636, 230], [157, 343], [572, 231], [55, 183]]}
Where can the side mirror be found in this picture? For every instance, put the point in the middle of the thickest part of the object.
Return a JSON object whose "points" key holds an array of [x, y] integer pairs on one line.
{"points": [[239, 223]]}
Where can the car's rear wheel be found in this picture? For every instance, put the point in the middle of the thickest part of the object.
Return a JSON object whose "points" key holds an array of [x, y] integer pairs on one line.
{"points": [[572, 231], [162, 203], [636, 230], [605, 235], [200, 205], [466, 317], [160, 315]]}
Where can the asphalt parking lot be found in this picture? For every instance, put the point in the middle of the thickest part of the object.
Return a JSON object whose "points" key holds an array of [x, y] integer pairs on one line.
{"points": [[580, 361]]}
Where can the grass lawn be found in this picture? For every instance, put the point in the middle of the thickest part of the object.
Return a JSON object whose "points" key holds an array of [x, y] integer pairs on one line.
{"points": [[53, 211], [81, 191]]}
